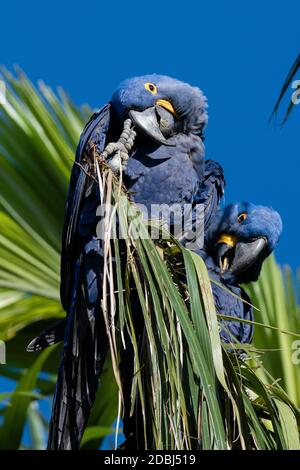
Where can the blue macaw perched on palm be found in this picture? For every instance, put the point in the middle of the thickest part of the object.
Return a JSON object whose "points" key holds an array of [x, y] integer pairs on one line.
{"points": [[239, 239], [162, 161]]}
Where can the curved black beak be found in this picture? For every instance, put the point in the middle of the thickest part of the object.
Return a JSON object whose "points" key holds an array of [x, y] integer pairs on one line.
{"points": [[246, 254], [224, 256], [148, 122], [240, 256]]}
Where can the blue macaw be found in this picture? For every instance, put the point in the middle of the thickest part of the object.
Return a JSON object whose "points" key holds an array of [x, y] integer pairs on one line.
{"points": [[162, 162], [238, 241]]}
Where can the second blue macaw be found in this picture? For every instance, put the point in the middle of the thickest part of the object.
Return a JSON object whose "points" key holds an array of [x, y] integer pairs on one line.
{"points": [[238, 241]]}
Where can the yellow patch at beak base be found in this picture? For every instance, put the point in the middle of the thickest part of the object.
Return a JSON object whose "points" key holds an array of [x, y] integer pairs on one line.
{"points": [[229, 240], [167, 105]]}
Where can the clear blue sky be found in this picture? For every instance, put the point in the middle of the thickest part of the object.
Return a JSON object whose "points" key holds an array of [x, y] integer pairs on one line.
{"points": [[238, 52]]}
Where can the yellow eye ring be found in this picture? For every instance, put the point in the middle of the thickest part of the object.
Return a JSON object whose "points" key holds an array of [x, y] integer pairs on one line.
{"points": [[151, 87], [243, 216]]}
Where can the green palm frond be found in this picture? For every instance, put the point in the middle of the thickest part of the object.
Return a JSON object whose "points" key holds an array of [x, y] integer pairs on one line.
{"points": [[39, 132], [276, 298], [38, 135]]}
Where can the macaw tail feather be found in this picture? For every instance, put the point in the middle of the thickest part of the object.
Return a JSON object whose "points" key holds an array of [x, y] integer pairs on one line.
{"points": [[83, 359], [85, 348], [49, 336]]}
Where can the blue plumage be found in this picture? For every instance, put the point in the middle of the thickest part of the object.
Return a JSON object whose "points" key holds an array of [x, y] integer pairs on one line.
{"points": [[166, 175]]}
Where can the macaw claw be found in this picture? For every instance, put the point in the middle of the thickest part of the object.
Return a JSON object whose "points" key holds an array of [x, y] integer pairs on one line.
{"points": [[116, 154]]}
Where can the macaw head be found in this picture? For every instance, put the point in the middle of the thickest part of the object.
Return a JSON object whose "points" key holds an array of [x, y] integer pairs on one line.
{"points": [[160, 106], [241, 237]]}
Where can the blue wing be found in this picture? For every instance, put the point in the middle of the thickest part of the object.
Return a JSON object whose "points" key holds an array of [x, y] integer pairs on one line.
{"points": [[207, 197], [85, 340], [211, 190], [94, 133]]}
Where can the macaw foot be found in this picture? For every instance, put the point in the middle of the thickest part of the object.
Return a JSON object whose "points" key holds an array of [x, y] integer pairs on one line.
{"points": [[117, 153]]}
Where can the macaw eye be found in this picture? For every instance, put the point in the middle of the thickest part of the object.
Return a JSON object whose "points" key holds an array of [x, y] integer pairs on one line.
{"points": [[243, 216], [151, 87]]}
